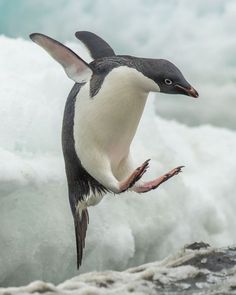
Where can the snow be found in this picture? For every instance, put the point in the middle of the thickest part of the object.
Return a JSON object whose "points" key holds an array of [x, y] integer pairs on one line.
{"points": [[36, 233], [177, 273]]}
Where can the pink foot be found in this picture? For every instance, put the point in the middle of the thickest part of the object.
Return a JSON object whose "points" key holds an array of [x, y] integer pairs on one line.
{"points": [[134, 177], [150, 185]]}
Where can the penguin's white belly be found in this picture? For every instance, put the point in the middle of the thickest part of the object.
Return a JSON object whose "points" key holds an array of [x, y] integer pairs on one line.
{"points": [[106, 123]]}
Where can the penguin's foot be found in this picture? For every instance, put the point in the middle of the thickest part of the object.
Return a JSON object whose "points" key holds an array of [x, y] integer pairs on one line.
{"points": [[150, 185], [134, 177]]}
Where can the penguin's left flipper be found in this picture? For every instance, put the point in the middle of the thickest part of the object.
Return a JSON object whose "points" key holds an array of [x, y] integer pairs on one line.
{"points": [[96, 45], [150, 185]]}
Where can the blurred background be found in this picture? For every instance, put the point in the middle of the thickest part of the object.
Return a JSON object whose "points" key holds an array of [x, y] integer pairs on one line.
{"points": [[198, 36], [36, 233]]}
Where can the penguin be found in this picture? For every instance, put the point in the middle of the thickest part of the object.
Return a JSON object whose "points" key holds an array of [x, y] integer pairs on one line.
{"points": [[101, 116]]}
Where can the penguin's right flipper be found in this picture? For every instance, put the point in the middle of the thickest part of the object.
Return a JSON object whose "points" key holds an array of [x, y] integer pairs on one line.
{"points": [[97, 46], [81, 221], [75, 67]]}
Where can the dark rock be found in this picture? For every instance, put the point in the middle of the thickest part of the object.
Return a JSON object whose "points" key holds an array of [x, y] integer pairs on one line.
{"points": [[197, 246]]}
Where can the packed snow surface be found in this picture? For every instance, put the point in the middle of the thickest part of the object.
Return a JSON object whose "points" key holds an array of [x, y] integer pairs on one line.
{"points": [[37, 234], [196, 269]]}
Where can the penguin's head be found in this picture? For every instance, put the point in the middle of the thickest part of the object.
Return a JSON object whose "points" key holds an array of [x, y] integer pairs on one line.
{"points": [[168, 77]]}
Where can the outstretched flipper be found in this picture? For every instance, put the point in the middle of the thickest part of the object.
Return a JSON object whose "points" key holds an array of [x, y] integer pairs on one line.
{"points": [[74, 66], [97, 46]]}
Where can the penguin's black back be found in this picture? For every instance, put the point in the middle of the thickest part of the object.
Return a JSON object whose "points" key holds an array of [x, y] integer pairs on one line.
{"points": [[80, 182]]}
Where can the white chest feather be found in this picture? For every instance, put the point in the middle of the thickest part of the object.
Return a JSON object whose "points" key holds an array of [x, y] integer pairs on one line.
{"points": [[107, 122]]}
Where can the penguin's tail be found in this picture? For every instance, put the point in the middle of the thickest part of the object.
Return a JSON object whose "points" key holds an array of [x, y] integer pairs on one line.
{"points": [[81, 221]]}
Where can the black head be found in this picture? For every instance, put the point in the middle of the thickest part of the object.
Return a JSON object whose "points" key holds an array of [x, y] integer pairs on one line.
{"points": [[167, 76]]}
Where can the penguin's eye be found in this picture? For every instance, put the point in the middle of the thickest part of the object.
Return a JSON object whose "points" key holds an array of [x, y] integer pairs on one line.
{"points": [[168, 82]]}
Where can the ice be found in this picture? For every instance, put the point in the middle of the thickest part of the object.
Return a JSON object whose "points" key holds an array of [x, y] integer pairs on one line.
{"points": [[37, 234], [199, 38]]}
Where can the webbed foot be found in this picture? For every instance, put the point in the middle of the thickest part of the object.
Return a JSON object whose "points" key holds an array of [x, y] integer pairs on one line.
{"points": [[134, 177], [150, 185]]}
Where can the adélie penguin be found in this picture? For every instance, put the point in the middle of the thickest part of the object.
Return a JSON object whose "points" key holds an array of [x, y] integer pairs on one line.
{"points": [[101, 117]]}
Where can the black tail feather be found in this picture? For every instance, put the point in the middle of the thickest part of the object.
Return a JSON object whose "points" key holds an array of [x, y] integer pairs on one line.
{"points": [[81, 224]]}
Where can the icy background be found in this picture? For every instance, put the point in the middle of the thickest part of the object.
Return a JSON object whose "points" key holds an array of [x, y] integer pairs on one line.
{"points": [[36, 232], [198, 36]]}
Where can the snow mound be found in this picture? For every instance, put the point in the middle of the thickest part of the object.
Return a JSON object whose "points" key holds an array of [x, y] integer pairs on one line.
{"points": [[197, 268]]}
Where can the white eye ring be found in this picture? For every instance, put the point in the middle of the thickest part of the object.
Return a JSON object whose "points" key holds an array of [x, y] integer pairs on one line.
{"points": [[168, 82]]}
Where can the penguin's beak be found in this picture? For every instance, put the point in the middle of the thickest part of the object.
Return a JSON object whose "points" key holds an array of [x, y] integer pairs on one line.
{"points": [[187, 91]]}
